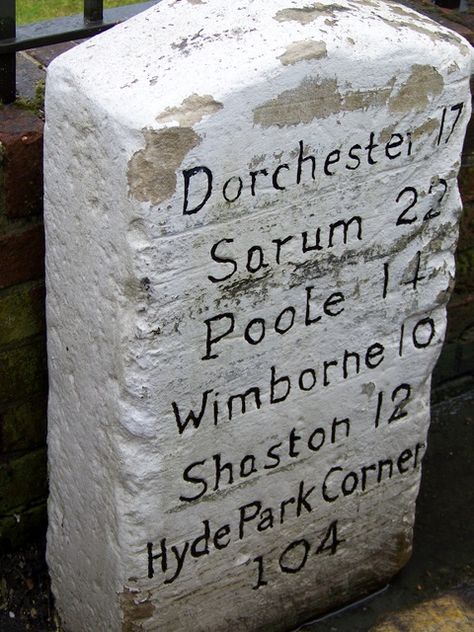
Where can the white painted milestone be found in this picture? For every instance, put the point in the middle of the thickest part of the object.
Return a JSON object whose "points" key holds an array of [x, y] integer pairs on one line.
{"points": [[251, 214]]}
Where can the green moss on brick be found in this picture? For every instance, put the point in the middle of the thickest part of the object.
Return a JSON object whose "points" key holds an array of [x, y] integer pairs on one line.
{"points": [[36, 104], [22, 371], [21, 312], [23, 426], [465, 272], [22, 528], [23, 482]]}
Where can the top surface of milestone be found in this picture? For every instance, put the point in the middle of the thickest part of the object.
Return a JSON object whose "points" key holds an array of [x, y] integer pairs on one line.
{"points": [[274, 202]]}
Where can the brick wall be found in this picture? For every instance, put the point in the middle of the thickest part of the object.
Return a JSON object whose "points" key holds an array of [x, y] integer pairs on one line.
{"points": [[23, 378]]}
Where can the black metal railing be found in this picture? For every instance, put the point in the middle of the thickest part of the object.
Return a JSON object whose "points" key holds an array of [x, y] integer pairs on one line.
{"points": [[14, 38]]}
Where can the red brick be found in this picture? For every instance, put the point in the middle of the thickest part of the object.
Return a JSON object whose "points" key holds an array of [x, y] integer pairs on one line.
{"points": [[22, 256], [21, 157]]}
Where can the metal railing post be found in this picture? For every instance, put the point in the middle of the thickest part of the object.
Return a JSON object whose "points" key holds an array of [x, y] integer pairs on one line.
{"points": [[15, 38], [93, 11], [7, 60]]}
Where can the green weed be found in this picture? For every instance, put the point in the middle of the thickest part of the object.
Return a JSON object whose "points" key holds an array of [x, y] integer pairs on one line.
{"points": [[38, 10]]}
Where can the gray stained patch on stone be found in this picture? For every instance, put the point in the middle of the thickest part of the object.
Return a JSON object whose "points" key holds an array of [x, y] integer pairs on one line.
{"points": [[428, 127], [191, 111], [303, 51], [316, 99], [152, 170], [319, 99], [305, 15], [424, 82], [135, 608]]}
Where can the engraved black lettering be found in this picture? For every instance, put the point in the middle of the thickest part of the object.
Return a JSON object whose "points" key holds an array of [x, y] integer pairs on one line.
{"points": [[242, 398], [279, 243], [287, 562], [194, 480], [240, 184], [282, 329], [192, 417], [253, 178], [317, 241], [402, 219], [248, 513], [222, 260], [188, 174], [420, 339], [274, 399], [276, 173], [395, 141], [219, 469], [301, 160], [212, 340], [260, 259], [331, 541], [370, 147], [345, 224], [354, 157], [331, 159]]}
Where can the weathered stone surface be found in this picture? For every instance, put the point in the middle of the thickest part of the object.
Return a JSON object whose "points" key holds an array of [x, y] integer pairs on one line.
{"points": [[251, 220]]}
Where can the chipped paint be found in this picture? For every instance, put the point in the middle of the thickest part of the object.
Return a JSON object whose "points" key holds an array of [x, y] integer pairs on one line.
{"points": [[310, 100], [368, 389], [303, 51], [414, 95], [191, 111], [386, 133], [305, 15], [363, 99], [428, 127], [257, 160], [152, 170], [135, 610], [317, 99]]}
